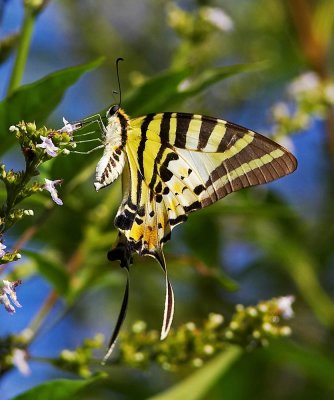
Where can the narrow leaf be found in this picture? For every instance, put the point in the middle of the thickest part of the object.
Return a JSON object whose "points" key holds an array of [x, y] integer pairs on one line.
{"points": [[62, 389], [173, 87], [201, 381]]}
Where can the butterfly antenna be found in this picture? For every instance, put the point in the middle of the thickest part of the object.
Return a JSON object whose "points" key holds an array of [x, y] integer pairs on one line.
{"points": [[118, 80]]}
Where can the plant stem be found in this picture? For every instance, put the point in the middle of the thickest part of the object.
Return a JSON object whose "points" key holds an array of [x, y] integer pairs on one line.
{"points": [[42, 313], [22, 51]]}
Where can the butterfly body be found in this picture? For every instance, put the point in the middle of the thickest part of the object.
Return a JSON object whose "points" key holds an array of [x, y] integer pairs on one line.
{"points": [[112, 162]]}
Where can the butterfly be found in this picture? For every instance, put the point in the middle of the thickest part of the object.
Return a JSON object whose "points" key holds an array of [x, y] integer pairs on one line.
{"points": [[173, 164]]}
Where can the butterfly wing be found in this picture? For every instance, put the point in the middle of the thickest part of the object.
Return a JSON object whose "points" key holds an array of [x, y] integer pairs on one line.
{"points": [[179, 163]]}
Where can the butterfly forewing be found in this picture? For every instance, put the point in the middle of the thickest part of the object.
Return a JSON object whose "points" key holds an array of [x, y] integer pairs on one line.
{"points": [[179, 163]]}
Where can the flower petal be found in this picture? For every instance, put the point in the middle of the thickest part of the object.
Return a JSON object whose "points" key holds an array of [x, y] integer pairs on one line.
{"points": [[50, 187]]}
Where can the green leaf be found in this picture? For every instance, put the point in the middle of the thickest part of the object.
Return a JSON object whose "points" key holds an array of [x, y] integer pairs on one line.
{"points": [[172, 87], [62, 389], [200, 382], [154, 93], [35, 101]]}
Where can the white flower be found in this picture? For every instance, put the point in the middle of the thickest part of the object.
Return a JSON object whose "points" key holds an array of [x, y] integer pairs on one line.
{"points": [[284, 305], [139, 327], [2, 252], [208, 349], [304, 83], [218, 18], [216, 319], [280, 111], [13, 128], [69, 128], [29, 213], [20, 361], [50, 187], [49, 147], [7, 293]]}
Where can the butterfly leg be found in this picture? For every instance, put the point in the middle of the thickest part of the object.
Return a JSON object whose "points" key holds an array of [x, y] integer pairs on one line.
{"points": [[89, 151], [75, 125]]}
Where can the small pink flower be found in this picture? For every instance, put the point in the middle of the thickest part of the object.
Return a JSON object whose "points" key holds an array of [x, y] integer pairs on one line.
{"points": [[7, 293], [50, 187], [2, 252], [70, 128], [48, 145]]}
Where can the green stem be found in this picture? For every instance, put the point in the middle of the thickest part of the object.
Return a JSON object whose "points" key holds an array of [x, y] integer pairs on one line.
{"points": [[22, 51]]}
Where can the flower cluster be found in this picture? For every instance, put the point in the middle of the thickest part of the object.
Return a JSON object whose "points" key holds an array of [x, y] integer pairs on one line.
{"points": [[311, 96], [13, 353], [251, 327], [38, 146], [192, 345], [197, 27], [78, 361]]}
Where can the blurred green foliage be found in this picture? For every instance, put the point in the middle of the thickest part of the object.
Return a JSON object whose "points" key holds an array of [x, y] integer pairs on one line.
{"points": [[260, 243]]}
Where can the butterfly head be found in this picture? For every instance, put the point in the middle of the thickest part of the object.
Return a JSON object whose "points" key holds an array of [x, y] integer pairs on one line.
{"points": [[112, 111]]}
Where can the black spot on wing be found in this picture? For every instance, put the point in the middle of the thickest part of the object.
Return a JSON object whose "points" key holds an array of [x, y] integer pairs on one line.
{"points": [[158, 187], [192, 207], [178, 219], [122, 222], [164, 172], [199, 189]]}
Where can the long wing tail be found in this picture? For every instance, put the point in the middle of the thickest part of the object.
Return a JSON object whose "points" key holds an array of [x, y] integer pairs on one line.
{"points": [[169, 299]]}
